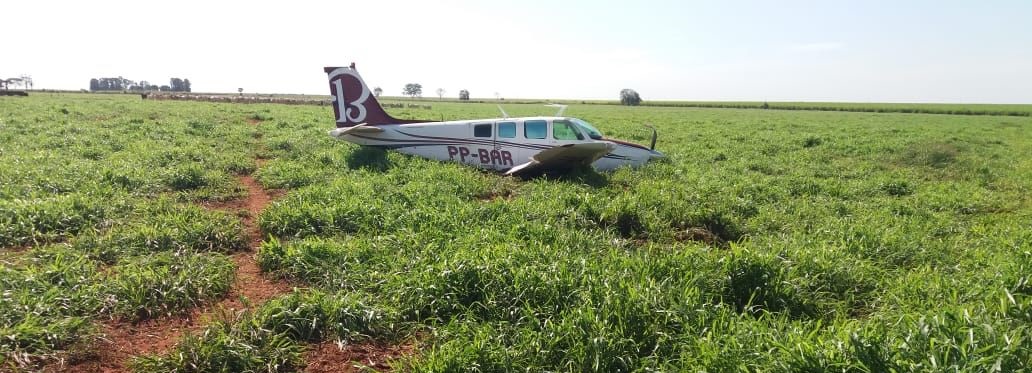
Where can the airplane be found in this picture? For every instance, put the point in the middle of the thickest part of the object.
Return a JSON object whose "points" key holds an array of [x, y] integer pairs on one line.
{"points": [[516, 146]]}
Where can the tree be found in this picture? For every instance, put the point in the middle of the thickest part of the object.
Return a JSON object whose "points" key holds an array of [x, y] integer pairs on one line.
{"points": [[413, 90], [440, 93], [186, 85], [111, 84], [240, 91], [124, 84], [464, 95], [151, 86], [629, 97], [377, 91], [176, 84], [27, 81]]}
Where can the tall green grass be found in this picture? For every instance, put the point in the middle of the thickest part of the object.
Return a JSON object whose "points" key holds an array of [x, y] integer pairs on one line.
{"points": [[165, 226], [49, 300], [95, 194]]}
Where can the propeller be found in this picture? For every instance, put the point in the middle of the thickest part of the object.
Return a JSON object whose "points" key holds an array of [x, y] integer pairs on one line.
{"points": [[652, 146]]}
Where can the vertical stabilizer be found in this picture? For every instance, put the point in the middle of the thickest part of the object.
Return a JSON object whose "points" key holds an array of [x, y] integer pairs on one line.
{"points": [[353, 102]]}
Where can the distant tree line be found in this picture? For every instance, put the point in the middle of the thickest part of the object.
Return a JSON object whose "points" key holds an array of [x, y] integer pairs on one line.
{"points": [[123, 84]]}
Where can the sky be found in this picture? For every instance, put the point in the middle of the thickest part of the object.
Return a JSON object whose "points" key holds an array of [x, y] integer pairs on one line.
{"points": [[857, 51]]}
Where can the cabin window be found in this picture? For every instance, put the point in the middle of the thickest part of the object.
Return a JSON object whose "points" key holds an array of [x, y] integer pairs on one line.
{"points": [[507, 130], [535, 129], [482, 130], [563, 130]]}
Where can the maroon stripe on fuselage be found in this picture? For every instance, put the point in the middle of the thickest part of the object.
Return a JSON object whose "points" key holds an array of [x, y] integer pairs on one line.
{"points": [[437, 140]]}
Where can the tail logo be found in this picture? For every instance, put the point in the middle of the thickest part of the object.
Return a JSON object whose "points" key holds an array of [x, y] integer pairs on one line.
{"points": [[353, 111]]}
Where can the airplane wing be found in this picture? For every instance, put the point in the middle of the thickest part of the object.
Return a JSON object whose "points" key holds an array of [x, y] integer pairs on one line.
{"points": [[563, 157]]}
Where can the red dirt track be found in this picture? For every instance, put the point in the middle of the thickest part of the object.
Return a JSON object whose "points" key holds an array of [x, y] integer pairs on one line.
{"points": [[120, 340]]}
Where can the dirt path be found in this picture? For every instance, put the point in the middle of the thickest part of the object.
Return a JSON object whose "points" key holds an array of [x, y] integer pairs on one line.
{"points": [[120, 341], [250, 282]]}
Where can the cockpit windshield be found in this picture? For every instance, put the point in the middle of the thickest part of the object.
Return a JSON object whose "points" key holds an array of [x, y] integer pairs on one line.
{"points": [[592, 132]]}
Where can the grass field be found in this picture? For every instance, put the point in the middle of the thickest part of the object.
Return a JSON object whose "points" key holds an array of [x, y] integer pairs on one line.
{"points": [[771, 241], [1019, 110]]}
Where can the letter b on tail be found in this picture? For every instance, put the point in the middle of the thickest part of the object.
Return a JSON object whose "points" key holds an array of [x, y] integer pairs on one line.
{"points": [[352, 102]]}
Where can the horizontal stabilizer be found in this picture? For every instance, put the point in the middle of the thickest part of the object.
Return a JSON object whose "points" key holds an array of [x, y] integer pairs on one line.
{"points": [[361, 128], [563, 157]]}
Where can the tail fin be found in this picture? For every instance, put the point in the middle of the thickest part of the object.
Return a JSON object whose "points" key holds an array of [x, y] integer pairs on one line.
{"points": [[353, 103]]}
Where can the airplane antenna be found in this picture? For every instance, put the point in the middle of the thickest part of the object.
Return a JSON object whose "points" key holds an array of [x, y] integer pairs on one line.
{"points": [[504, 114], [561, 107]]}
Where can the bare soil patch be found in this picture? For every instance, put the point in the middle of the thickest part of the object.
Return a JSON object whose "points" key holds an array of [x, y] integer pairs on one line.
{"points": [[12, 255], [698, 234], [254, 119], [119, 341], [496, 195], [16, 249], [332, 357]]}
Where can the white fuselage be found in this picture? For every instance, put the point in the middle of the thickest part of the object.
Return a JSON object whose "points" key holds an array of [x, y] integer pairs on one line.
{"points": [[497, 144]]}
